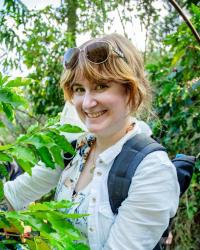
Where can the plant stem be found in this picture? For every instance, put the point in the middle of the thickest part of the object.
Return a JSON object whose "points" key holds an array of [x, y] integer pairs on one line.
{"points": [[180, 11]]}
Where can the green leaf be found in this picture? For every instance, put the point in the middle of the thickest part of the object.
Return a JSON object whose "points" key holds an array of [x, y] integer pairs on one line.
{"points": [[22, 138], [70, 129], [7, 96], [62, 142], [53, 121], [81, 246], [47, 140], [34, 140], [31, 244], [24, 153], [33, 128], [57, 156], [3, 170], [3, 222], [69, 216], [46, 157], [1, 76], [52, 205], [63, 227], [2, 125], [39, 141], [25, 165], [5, 157], [8, 110], [177, 57], [19, 81], [15, 223], [3, 79], [41, 245], [1, 191], [5, 147]]}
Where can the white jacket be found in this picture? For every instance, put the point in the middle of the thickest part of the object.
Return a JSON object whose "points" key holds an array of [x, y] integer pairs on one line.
{"points": [[152, 199]]}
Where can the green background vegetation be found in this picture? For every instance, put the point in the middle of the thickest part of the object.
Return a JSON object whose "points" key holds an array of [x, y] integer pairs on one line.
{"points": [[36, 39]]}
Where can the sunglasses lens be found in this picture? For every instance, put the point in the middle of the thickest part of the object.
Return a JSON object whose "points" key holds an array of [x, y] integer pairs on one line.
{"points": [[70, 57], [97, 52]]}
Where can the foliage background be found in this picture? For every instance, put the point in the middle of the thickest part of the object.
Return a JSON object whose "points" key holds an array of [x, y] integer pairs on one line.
{"points": [[35, 40]]}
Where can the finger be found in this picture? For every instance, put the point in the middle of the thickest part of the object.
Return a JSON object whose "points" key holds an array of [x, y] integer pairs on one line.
{"points": [[169, 239]]}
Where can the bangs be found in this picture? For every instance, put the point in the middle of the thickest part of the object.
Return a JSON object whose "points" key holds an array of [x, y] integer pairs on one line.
{"points": [[94, 73]]}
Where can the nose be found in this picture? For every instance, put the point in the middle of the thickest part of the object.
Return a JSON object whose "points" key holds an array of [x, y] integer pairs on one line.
{"points": [[89, 100]]}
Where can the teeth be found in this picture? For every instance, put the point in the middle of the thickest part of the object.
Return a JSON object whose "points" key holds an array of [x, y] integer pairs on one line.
{"points": [[95, 115]]}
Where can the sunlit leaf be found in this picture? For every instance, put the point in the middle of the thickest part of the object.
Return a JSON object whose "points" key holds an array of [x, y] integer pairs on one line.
{"points": [[61, 141], [33, 128], [2, 125], [8, 110], [18, 81], [3, 171], [7, 96], [5, 157], [25, 165], [1, 190], [57, 156], [24, 153], [5, 147], [53, 205], [70, 129], [46, 157]]}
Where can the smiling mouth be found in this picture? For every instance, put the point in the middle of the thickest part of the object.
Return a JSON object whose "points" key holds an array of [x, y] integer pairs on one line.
{"points": [[95, 115]]}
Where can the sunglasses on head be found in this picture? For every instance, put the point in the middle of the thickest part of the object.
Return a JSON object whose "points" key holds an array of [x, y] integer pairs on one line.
{"points": [[97, 53]]}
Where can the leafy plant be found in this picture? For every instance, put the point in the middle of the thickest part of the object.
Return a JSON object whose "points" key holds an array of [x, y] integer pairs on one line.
{"points": [[176, 79], [49, 224], [43, 143]]}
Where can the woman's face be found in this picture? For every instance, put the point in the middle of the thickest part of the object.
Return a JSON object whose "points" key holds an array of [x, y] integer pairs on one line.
{"points": [[102, 107]]}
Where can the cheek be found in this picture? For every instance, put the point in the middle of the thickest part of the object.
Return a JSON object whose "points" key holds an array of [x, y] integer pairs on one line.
{"points": [[77, 104]]}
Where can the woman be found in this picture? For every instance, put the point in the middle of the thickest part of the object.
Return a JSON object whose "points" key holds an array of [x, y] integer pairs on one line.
{"points": [[104, 79]]}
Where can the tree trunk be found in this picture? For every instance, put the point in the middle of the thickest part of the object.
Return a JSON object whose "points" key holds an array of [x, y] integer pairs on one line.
{"points": [[72, 20]]}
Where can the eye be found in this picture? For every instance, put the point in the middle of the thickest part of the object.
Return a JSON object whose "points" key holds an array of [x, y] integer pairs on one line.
{"points": [[78, 90], [101, 86]]}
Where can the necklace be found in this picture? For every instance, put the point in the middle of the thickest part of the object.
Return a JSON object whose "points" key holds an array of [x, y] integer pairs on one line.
{"points": [[94, 151]]}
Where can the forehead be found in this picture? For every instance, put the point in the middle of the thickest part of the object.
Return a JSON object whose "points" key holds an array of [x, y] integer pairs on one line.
{"points": [[90, 73]]}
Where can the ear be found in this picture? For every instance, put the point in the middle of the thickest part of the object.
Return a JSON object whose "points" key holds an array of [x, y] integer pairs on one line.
{"points": [[128, 96]]}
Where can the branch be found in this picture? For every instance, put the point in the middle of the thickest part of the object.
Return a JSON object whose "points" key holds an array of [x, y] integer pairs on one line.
{"points": [[3, 55], [122, 23], [180, 11], [31, 116]]}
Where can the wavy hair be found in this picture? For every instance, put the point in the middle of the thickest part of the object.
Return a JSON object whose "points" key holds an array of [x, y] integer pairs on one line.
{"points": [[129, 73]]}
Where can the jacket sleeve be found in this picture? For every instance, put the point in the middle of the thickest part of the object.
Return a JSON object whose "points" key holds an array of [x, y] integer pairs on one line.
{"points": [[25, 188], [152, 200]]}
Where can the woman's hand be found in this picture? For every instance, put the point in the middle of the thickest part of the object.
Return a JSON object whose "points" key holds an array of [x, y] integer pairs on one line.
{"points": [[169, 239], [5, 205], [13, 231]]}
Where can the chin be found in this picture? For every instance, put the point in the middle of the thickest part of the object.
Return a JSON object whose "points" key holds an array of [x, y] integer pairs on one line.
{"points": [[96, 130]]}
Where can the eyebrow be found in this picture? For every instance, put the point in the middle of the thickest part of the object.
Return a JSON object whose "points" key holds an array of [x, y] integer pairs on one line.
{"points": [[76, 84]]}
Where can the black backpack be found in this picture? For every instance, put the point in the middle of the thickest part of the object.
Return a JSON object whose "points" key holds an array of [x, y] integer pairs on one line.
{"points": [[126, 163]]}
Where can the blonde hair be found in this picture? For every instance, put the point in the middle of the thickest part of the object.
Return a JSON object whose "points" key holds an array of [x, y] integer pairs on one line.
{"points": [[130, 74]]}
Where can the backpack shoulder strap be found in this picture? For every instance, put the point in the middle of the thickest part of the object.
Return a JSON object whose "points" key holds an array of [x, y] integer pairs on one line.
{"points": [[125, 165]]}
